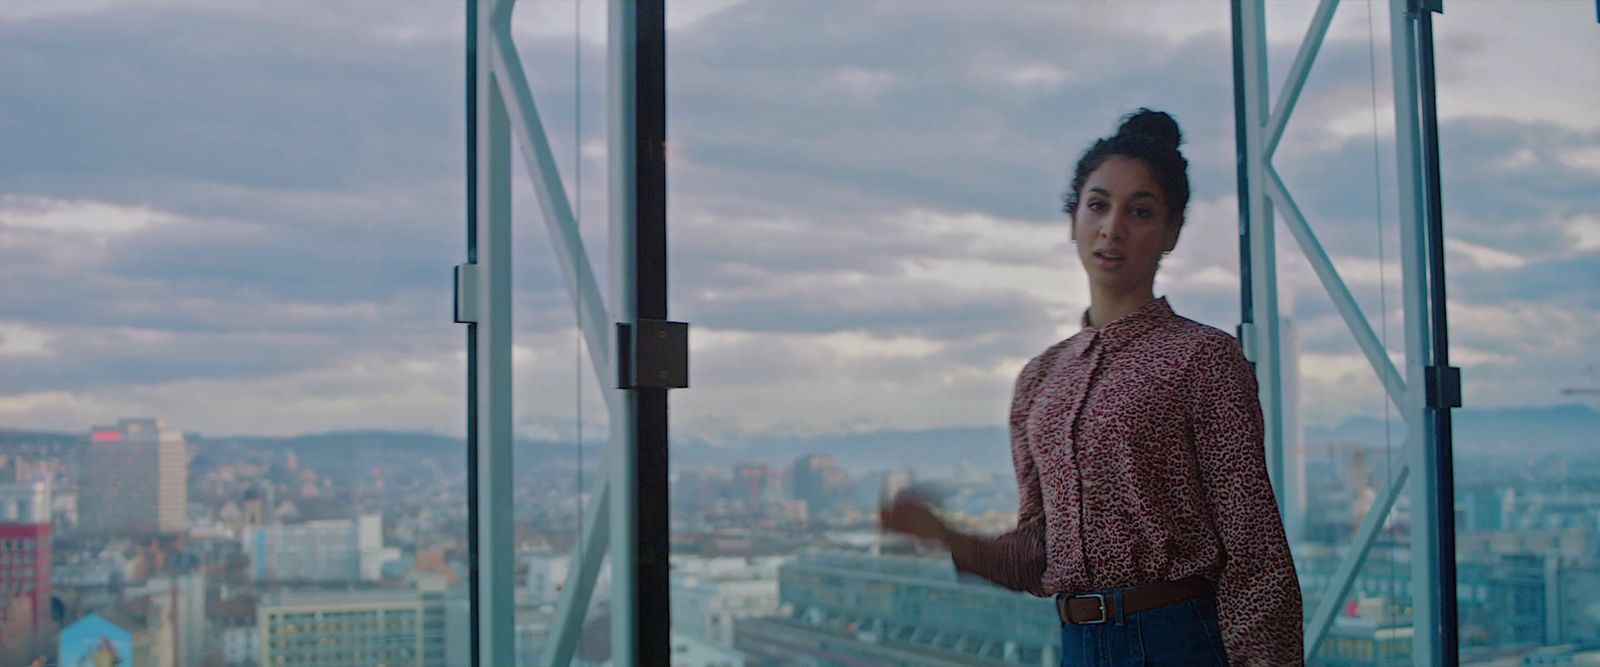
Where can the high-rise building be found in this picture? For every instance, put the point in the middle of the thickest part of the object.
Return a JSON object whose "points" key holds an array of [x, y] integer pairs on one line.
{"points": [[820, 482], [341, 629], [1293, 484], [25, 556], [370, 553], [335, 550], [133, 480], [175, 611], [750, 480]]}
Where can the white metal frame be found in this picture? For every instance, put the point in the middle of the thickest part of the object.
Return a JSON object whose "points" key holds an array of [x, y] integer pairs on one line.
{"points": [[506, 109], [1264, 128]]}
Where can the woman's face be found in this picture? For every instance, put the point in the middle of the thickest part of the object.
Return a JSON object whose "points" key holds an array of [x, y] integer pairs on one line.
{"points": [[1121, 225]]}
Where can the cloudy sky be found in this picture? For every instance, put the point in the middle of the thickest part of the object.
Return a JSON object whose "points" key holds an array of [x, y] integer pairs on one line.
{"points": [[241, 216]]}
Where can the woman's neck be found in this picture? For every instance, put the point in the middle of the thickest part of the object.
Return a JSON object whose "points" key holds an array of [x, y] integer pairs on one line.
{"points": [[1107, 306]]}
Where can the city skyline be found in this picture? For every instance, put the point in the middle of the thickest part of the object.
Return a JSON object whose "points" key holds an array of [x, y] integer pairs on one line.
{"points": [[291, 546]]}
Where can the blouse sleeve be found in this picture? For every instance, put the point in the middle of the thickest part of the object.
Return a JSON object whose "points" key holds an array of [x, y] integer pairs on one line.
{"points": [[1258, 593], [1015, 560]]}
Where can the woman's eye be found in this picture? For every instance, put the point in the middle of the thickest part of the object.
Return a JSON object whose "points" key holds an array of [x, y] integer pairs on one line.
{"points": [[1097, 206]]}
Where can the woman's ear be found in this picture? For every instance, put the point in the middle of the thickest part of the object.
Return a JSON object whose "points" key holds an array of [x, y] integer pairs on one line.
{"points": [[1173, 232]]}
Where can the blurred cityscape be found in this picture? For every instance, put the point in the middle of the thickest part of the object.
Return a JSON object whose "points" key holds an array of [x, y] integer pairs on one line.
{"points": [[137, 544]]}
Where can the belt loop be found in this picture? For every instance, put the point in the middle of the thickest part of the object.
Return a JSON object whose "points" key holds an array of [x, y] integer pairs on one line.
{"points": [[1120, 616]]}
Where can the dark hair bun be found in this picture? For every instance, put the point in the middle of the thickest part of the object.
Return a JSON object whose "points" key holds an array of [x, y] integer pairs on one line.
{"points": [[1156, 126]]}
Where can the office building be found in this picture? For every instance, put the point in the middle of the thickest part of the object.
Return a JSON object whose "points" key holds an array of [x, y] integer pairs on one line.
{"points": [[25, 559], [335, 550], [133, 480], [750, 481], [709, 595], [1360, 642], [341, 629], [852, 609], [232, 633], [25, 502], [546, 575], [174, 612], [820, 482]]}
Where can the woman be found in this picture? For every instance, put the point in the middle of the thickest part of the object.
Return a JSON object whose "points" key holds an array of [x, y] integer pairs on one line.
{"points": [[1145, 506]]}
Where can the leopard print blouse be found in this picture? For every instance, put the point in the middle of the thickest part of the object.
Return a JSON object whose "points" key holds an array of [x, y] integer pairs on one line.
{"points": [[1139, 457]]}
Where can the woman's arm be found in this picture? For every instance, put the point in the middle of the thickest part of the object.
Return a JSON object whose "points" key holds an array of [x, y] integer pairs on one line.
{"points": [[1258, 594], [1015, 560]]}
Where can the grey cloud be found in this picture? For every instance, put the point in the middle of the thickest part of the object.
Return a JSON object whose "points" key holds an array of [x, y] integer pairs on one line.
{"points": [[213, 96], [937, 133], [884, 306], [103, 357], [1569, 282]]}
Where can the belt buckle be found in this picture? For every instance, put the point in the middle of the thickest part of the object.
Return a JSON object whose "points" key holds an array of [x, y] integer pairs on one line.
{"points": [[1100, 596]]}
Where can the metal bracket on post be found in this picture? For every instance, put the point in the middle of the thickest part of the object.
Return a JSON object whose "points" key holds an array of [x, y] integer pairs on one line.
{"points": [[466, 293], [654, 354], [1442, 387]]}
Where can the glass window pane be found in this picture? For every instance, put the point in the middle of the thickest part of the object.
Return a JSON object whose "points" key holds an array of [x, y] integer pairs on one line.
{"points": [[1523, 283], [562, 424], [225, 240], [868, 239]]}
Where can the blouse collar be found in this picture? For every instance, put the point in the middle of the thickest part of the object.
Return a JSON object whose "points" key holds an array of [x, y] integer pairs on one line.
{"points": [[1122, 330]]}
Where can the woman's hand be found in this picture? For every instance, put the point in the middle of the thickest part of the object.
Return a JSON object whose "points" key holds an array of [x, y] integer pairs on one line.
{"points": [[910, 514]]}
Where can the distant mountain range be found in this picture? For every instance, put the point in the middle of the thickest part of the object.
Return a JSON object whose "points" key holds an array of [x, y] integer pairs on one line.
{"points": [[1501, 431], [1556, 429], [1561, 429]]}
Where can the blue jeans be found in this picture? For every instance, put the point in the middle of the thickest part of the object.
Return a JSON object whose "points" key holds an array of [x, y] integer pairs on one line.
{"points": [[1182, 634]]}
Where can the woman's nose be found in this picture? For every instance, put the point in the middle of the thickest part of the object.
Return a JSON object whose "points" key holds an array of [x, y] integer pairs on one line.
{"points": [[1115, 226]]}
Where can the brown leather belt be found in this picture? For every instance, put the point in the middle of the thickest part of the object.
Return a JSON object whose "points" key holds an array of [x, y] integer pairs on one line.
{"points": [[1092, 608]]}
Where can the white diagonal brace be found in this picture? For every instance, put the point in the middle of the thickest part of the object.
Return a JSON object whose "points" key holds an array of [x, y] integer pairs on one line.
{"points": [[1343, 301], [563, 227], [1339, 587], [1290, 94], [567, 626], [502, 13], [593, 317]]}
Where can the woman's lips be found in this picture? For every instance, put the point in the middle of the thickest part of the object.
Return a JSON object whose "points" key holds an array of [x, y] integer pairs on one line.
{"points": [[1109, 260]]}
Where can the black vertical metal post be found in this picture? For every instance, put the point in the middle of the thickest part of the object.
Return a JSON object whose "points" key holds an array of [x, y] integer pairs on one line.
{"points": [[1444, 377], [1247, 310], [650, 234], [472, 330]]}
